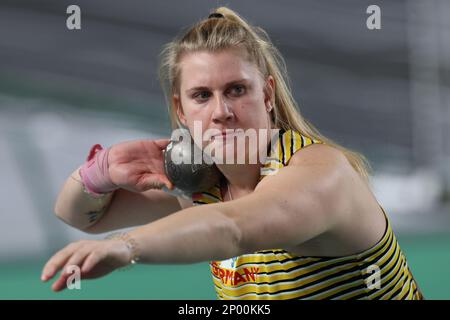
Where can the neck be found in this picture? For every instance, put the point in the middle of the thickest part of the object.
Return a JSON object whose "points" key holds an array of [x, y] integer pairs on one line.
{"points": [[241, 178]]}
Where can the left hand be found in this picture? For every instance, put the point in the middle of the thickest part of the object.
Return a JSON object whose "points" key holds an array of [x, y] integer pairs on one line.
{"points": [[95, 258]]}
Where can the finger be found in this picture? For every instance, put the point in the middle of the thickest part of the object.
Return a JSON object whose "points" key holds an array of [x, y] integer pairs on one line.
{"points": [[90, 262], [56, 262], [61, 283], [167, 183], [76, 259], [162, 143], [159, 181], [152, 184]]}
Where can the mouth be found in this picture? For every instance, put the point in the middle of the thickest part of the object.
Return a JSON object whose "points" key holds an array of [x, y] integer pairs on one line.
{"points": [[224, 135]]}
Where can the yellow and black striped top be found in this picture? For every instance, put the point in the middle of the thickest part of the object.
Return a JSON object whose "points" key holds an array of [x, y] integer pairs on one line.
{"points": [[380, 272]]}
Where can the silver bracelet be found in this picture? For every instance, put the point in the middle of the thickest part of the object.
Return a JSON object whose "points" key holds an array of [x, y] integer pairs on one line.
{"points": [[131, 245]]}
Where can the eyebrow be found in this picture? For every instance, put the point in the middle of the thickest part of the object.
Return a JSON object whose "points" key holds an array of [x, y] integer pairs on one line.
{"points": [[226, 85]]}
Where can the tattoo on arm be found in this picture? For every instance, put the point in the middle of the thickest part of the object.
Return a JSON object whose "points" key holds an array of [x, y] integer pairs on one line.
{"points": [[95, 215]]}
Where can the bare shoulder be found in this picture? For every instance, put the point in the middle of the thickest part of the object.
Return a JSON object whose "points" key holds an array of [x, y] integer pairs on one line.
{"points": [[358, 220], [327, 169], [319, 154], [328, 163], [320, 167]]}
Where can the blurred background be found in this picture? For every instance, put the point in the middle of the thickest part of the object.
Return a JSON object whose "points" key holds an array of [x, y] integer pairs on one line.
{"points": [[385, 93]]}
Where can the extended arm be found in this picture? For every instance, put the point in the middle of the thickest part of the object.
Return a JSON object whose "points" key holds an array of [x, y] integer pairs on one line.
{"points": [[302, 201]]}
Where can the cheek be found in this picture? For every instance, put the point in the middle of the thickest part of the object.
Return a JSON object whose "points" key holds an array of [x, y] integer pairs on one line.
{"points": [[193, 113], [253, 101], [251, 110], [196, 116], [197, 122], [250, 100]]}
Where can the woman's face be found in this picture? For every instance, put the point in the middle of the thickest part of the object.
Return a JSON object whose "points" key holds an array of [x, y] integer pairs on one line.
{"points": [[222, 90]]}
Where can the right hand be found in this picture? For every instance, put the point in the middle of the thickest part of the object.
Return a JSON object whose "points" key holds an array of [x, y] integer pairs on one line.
{"points": [[138, 165]]}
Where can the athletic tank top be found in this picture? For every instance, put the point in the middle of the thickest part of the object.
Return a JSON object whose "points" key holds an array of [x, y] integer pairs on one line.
{"points": [[380, 272]]}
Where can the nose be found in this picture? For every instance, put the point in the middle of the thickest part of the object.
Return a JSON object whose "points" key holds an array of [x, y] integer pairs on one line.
{"points": [[222, 111]]}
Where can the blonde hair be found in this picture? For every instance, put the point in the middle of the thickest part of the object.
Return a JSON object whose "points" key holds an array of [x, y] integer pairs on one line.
{"points": [[231, 31]]}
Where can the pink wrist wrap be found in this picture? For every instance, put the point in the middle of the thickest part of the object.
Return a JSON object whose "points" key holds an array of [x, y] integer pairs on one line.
{"points": [[95, 174]]}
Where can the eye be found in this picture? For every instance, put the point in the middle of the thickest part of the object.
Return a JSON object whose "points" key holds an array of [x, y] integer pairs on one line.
{"points": [[237, 90], [201, 95]]}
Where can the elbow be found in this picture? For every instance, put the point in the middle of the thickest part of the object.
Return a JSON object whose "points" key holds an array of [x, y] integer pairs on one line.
{"points": [[236, 238], [56, 209], [59, 213], [62, 215], [227, 230], [93, 229]]}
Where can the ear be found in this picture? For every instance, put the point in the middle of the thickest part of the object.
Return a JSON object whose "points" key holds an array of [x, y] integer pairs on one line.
{"points": [[179, 109], [269, 93]]}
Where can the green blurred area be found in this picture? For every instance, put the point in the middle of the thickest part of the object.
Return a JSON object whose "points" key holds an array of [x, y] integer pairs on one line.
{"points": [[165, 282], [428, 257]]}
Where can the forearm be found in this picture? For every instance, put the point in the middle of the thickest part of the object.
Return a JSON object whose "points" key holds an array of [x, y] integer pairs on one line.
{"points": [[77, 208], [196, 234], [131, 209]]}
